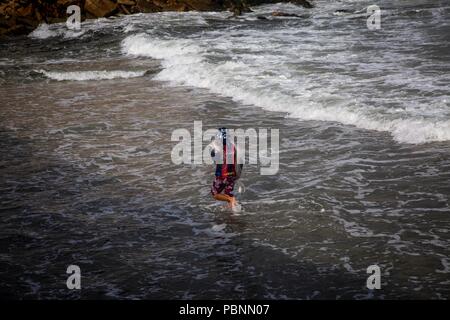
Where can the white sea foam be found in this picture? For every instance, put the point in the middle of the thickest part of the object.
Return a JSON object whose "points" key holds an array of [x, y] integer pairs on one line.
{"points": [[43, 32], [91, 75], [259, 74]]}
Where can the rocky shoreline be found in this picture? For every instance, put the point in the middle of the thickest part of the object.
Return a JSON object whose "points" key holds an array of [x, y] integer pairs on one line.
{"points": [[23, 16]]}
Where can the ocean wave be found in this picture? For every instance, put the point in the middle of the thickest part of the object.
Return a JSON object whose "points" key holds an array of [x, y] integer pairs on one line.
{"points": [[185, 62], [91, 75], [44, 31]]}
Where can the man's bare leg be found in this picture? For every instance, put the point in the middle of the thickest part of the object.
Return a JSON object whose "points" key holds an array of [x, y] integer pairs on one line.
{"points": [[224, 197]]}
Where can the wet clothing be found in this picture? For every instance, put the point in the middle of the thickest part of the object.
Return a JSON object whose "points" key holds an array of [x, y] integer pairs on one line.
{"points": [[223, 184], [226, 173], [225, 169]]}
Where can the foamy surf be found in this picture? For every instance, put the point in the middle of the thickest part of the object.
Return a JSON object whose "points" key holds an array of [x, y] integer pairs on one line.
{"points": [[91, 75], [45, 31], [264, 81], [42, 32]]}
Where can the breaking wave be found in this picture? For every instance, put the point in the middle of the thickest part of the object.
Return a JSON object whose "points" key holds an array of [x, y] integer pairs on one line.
{"points": [[91, 75], [263, 81]]}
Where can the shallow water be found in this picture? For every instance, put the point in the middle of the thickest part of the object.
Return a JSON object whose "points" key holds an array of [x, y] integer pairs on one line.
{"points": [[87, 178]]}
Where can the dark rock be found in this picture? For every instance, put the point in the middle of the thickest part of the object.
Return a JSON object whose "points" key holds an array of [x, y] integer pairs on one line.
{"points": [[17, 30], [203, 5], [124, 9], [239, 7], [342, 11], [147, 6], [25, 11], [100, 8], [236, 11], [56, 20], [284, 14], [126, 2], [303, 3], [7, 23], [18, 16], [27, 22], [172, 5]]}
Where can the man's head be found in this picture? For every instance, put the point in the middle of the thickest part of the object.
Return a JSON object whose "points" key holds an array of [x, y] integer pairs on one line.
{"points": [[222, 135]]}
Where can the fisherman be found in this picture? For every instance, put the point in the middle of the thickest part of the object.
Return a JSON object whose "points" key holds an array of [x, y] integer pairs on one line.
{"points": [[228, 168]]}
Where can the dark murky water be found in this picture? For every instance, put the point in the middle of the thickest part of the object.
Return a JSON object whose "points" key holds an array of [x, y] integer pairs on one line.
{"points": [[86, 178]]}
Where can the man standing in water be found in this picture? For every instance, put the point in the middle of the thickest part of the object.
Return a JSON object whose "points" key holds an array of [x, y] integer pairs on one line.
{"points": [[228, 170]]}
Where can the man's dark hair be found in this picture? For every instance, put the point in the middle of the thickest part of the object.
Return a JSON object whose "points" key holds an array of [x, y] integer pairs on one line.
{"points": [[223, 132]]}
